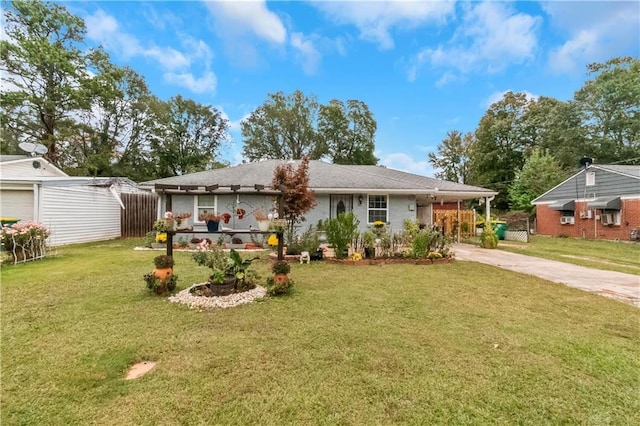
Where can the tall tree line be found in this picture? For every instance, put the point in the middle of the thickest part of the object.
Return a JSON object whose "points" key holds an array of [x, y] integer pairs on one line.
{"points": [[94, 117], [97, 118], [523, 147]]}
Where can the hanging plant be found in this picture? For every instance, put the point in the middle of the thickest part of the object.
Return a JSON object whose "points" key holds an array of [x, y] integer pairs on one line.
{"points": [[225, 217], [240, 213]]}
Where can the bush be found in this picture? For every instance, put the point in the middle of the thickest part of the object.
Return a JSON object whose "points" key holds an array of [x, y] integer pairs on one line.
{"points": [[160, 286], [341, 231], [281, 267], [163, 261], [488, 238], [279, 288], [25, 241]]}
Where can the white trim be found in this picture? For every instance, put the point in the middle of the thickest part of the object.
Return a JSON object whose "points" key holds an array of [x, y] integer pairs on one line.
{"points": [[386, 209]]}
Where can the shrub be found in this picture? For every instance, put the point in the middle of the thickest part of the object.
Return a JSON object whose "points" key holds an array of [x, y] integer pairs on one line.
{"points": [[488, 238], [279, 288], [160, 286], [163, 261], [420, 245], [25, 241], [281, 267], [341, 231]]}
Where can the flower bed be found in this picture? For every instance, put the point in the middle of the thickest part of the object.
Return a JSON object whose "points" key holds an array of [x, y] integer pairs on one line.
{"points": [[389, 261]]}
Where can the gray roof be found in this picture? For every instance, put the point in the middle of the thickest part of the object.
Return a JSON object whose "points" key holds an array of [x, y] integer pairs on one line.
{"points": [[325, 177], [610, 181]]}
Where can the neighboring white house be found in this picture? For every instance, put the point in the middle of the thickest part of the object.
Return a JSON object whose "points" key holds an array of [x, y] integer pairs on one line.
{"points": [[75, 209]]}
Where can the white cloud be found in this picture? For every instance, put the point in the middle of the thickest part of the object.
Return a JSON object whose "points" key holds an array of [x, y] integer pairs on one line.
{"points": [[406, 163], [206, 83], [104, 29], [490, 37], [248, 16], [498, 95], [375, 19], [307, 52], [596, 32]]}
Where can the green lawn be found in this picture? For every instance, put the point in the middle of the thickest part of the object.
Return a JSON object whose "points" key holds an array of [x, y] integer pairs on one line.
{"points": [[606, 255], [460, 343]]}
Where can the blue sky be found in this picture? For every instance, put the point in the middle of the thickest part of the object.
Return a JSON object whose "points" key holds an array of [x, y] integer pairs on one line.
{"points": [[423, 67]]}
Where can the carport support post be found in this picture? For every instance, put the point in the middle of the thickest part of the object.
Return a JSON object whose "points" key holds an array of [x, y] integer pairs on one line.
{"points": [[487, 216]]}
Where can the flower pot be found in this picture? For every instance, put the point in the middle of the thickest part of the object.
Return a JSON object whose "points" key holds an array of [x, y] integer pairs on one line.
{"points": [[225, 288], [163, 273], [281, 279], [263, 225], [184, 224], [212, 226]]}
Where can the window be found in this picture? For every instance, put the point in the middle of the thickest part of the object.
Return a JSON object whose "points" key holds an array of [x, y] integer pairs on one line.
{"points": [[591, 179], [206, 204], [377, 208]]}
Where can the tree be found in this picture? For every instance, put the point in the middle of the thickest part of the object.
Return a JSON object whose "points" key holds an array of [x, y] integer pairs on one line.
{"points": [[453, 159], [610, 107], [44, 71], [540, 173], [187, 137], [111, 139], [556, 127], [284, 127], [298, 198], [348, 132], [501, 144]]}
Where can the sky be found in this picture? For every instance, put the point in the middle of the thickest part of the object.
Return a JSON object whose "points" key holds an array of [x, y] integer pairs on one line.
{"points": [[424, 68]]}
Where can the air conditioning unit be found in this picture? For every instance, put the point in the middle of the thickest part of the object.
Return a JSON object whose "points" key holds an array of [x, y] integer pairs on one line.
{"points": [[586, 214], [606, 219], [567, 220]]}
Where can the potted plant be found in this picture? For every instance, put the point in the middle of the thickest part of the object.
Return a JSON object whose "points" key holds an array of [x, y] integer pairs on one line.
{"points": [[161, 280], [280, 271], [211, 219], [222, 280], [183, 221], [369, 243], [262, 218]]}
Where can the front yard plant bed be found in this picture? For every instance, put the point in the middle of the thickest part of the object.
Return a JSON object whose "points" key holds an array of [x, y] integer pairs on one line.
{"points": [[389, 261]]}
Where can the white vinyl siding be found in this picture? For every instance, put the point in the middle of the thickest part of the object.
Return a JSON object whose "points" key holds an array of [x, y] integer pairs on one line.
{"points": [[80, 214]]}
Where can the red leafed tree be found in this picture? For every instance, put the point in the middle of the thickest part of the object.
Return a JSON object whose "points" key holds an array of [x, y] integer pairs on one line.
{"points": [[298, 198]]}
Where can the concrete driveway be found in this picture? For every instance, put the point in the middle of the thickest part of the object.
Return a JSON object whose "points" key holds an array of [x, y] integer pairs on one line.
{"points": [[623, 287]]}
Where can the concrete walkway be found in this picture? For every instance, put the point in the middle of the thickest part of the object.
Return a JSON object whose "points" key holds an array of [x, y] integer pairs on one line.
{"points": [[623, 287]]}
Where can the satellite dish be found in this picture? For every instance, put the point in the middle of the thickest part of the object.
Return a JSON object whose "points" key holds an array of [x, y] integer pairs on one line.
{"points": [[33, 148], [27, 147], [41, 149]]}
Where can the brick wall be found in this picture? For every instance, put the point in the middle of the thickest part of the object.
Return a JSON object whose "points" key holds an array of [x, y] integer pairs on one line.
{"points": [[548, 222]]}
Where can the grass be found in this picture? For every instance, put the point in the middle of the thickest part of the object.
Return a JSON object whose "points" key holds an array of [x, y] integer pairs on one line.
{"points": [[598, 254], [436, 344]]}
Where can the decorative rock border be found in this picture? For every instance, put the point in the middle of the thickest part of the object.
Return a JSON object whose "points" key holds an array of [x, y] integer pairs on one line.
{"points": [[186, 297]]}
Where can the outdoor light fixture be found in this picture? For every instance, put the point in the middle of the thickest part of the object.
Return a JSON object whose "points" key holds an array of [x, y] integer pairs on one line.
{"points": [[360, 199]]}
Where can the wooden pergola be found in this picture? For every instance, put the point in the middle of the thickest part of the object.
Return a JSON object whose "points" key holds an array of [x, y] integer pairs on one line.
{"points": [[169, 190]]}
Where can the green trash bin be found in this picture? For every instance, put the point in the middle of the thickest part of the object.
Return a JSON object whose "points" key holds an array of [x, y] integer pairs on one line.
{"points": [[500, 227]]}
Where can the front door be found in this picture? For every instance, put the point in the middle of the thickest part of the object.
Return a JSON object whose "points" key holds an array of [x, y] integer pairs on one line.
{"points": [[341, 204]]}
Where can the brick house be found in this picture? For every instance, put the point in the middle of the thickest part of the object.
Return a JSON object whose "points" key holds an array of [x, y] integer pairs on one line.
{"points": [[600, 201]]}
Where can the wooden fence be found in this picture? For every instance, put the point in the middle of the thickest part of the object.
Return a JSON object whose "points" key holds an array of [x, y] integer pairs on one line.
{"points": [[448, 220], [139, 213]]}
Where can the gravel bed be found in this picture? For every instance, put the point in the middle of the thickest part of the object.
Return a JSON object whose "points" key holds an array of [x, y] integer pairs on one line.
{"points": [[229, 301]]}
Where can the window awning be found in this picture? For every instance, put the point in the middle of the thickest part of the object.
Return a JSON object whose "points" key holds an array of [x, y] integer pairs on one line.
{"points": [[611, 203], [563, 205]]}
